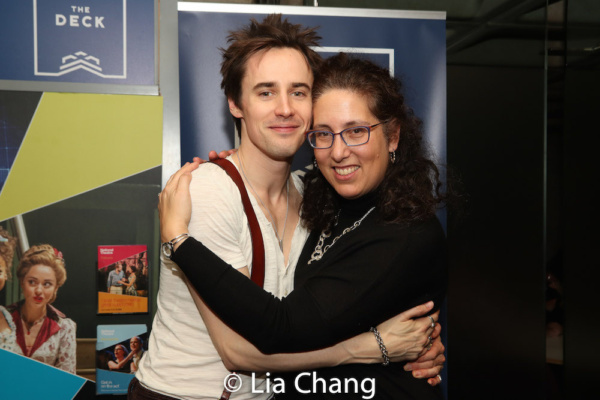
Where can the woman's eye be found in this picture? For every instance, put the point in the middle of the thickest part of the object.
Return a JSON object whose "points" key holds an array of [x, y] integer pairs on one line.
{"points": [[358, 131]]}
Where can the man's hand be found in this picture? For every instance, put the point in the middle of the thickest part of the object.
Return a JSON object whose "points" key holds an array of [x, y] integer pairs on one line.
{"points": [[430, 364]]}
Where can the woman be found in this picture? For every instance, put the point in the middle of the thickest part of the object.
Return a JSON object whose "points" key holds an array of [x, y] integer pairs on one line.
{"points": [[122, 360], [375, 249], [43, 332], [8, 339], [129, 282]]}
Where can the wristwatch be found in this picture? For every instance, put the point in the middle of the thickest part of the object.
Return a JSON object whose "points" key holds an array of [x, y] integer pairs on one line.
{"points": [[167, 247]]}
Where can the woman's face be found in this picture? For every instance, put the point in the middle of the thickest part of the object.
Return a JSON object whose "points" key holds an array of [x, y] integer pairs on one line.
{"points": [[39, 285], [357, 170], [3, 273], [119, 352]]}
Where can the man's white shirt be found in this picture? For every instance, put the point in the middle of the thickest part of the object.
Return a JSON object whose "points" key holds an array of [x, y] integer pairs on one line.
{"points": [[182, 360]]}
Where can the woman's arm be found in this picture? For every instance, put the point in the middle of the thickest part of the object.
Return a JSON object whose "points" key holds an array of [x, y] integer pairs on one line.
{"points": [[127, 282], [328, 308], [66, 358], [177, 191], [133, 366], [114, 365], [239, 354]]}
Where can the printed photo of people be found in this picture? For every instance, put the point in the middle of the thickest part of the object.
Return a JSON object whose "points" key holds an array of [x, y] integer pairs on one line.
{"points": [[32, 326], [128, 276], [122, 279], [123, 357]]}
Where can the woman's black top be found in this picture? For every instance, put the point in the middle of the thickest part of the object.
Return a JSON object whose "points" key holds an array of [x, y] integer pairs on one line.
{"points": [[369, 275]]}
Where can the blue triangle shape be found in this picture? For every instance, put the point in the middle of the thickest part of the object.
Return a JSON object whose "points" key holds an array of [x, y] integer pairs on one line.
{"points": [[16, 112]]}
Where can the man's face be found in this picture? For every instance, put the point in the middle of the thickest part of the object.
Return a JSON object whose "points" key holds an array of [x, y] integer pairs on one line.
{"points": [[275, 104]]}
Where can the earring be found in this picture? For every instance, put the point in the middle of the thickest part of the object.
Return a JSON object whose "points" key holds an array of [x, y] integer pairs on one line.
{"points": [[393, 157], [315, 164]]}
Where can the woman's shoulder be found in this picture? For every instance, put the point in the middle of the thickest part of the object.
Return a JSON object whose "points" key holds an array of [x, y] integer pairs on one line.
{"points": [[431, 226], [68, 327], [62, 320], [416, 237]]}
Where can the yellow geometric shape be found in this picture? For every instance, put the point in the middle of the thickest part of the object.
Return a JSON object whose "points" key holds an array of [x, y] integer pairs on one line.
{"points": [[79, 142]]}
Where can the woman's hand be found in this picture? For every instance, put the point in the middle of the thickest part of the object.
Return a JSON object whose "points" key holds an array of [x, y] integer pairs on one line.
{"points": [[406, 336], [213, 155], [175, 203], [409, 338]]}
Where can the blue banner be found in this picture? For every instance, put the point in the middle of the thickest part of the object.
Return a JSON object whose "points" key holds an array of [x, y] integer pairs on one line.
{"points": [[411, 44], [83, 41]]}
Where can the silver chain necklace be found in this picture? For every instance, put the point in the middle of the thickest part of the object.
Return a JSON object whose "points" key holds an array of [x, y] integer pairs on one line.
{"points": [[287, 203], [320, 250]]}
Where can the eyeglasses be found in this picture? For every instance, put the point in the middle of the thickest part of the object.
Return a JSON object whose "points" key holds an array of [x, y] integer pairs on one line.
{"points": [[354, 136]]}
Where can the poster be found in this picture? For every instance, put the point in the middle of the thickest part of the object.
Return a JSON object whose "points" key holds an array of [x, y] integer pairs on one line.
{"points": [[122, 279], [66, 41], [119, 350]]}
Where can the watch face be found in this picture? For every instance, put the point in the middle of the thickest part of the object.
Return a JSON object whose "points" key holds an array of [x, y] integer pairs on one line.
{"points": [[167, 249]]}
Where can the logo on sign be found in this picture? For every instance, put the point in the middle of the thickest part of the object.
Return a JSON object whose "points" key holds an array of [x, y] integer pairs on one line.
{"points": [[80, 36]]}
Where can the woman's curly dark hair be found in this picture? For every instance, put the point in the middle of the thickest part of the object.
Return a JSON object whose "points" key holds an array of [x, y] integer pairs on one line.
{"points": [[411, 187]]}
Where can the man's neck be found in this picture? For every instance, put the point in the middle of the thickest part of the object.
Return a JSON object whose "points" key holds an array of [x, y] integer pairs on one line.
{"points": [[269, 180], [266, 175]]}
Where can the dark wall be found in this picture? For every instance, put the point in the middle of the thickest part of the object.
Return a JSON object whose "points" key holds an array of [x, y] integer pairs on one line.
{"points": [[581, 222], [496, 314]]}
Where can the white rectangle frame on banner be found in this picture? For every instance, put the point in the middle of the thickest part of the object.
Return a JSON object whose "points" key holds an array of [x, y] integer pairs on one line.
{"points": [[433, 113]]}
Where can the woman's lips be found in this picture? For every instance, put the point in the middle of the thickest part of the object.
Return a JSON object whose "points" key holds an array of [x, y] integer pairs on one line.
{"points": [[38, 299], [345, 171]]}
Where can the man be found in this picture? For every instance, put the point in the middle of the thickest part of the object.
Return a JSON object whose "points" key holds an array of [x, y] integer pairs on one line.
{"points": [[267, 77], [137, 351], [113, 284]]}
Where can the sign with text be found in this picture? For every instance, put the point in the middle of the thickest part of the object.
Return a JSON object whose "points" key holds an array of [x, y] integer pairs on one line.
{"points": [[79, 41], [122, 279]]}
